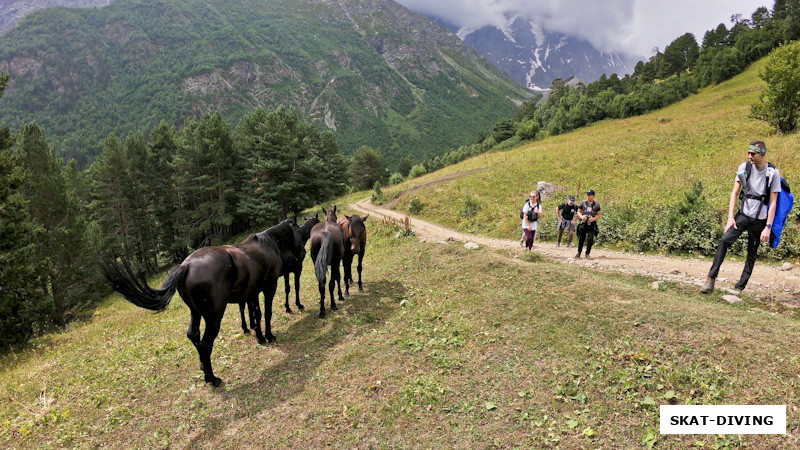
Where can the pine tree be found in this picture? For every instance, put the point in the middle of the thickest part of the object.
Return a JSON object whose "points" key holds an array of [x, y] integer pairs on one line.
{"points": [[21, 297], [62, 244], [209, 175], [164, 198], [109, 203]]}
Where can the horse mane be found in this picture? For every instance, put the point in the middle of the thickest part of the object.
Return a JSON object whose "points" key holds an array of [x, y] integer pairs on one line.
{"points": [[280, 236], [305, 228]]}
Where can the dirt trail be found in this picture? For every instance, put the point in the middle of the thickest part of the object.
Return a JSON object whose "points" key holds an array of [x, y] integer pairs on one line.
{"points": [[767, 280]]}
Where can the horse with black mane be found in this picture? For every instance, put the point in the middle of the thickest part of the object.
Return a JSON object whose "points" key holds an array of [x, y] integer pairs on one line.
{"points": [[355, 243], [327, 249], [292, 264], [211, 278]]}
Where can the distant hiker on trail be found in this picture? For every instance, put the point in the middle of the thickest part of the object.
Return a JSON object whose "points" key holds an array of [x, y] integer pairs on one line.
{"points": [[531, 213], [588, 213], [760, 183], [566, 219]]}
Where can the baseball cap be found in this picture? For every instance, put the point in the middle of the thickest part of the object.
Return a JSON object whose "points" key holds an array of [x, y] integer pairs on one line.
{"points": [[590, 192]]}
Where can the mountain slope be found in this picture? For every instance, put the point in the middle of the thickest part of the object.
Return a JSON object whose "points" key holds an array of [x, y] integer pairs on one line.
{"points": [[535, 57], [372, 71], [12, 11]]}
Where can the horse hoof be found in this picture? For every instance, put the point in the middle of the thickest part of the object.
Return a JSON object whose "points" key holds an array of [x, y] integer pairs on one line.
{"points": [[271, 338], [288, 310], [322, 314], [300, 307], [214, 381], [262, 341], [245, 331], [360, 289], [334, 307]]}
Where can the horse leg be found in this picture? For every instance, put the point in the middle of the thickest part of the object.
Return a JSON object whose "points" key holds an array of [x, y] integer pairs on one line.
{"points": [[193, 333], [347, 262], [255, 317], [322, 298], [359, 267], [336, 276], [245, 330], [269, 293], [287, 289], [297, 288], [206, 346]]}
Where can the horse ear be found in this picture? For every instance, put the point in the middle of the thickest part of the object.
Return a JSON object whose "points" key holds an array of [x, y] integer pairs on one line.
{"points": [[364, 219], [324, 213], [347, 217], [316, 217], [334, 209]]}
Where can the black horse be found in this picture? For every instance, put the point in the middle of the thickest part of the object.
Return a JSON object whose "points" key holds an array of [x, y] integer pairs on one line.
{"points": [[355, 243], [292, 263], [209, 279], [327, 249]]}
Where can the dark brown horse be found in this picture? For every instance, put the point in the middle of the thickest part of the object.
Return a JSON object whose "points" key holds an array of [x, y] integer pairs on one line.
{"points": [[355, 243], [211, 278], [292, 264], [327, 249]]}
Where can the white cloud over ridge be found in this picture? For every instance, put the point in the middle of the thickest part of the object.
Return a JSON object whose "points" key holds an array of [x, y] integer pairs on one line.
{"points": [[633, 27]]}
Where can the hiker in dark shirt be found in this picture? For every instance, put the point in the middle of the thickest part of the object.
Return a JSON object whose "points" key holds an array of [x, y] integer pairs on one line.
{"points": [[566, 219], [588, 213], [756, 212]]}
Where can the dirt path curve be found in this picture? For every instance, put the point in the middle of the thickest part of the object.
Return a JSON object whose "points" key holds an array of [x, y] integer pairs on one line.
{"points": [[766, 279]]}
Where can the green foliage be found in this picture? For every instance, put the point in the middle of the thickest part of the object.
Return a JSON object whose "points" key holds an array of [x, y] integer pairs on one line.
{"points": [[396, 178], [377, 194], [780, 101], [469, 207], [367, 166], [503, 130], [417, 171], [528, 130], [415, 206]]}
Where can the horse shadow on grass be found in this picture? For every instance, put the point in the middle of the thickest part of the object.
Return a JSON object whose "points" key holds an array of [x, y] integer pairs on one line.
{"points": [[305, 349]]}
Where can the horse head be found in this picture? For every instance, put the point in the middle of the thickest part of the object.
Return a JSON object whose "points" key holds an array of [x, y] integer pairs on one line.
{"points": [[358, 233], [305, 228], [330, 215]]}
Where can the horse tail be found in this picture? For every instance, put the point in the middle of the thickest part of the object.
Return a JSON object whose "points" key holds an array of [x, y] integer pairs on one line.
{"points": [[323, 257], [137, 291]]}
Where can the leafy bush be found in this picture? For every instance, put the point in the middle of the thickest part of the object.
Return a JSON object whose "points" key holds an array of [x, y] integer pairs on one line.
{"points": [[469, 207], [396, 178], [415, 206], [528, 130], [377, 194], [780, 102], [417, 171]]}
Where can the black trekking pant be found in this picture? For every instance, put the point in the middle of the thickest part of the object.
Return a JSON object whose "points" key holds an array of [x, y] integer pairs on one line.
{"points": [[586, 233], [754, 227]]}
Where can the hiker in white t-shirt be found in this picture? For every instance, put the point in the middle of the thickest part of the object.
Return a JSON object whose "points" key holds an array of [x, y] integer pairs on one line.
{"points": [[756, 212], [531, 213]]}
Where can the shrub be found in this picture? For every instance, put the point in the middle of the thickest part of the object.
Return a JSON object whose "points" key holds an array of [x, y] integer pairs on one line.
{"points": [[528, 130], [780, 102], [415, 206], [417, 171], [396, 178], [469, 208]]}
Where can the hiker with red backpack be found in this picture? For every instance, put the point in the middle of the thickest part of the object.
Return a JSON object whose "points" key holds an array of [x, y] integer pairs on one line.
{"points": [[756, 190]]}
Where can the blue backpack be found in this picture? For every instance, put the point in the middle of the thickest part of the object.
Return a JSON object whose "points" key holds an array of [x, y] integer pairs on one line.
{"points": [[782, 209]]}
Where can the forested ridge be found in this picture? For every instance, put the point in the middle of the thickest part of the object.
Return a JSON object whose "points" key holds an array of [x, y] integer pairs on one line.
{"points": [[368, 70]]}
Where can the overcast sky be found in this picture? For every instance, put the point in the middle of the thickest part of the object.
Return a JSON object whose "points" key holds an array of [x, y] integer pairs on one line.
{"points": [[634, 27]]}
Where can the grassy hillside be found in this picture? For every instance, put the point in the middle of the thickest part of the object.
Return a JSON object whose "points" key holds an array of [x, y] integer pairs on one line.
{"points": [[653, 159], [375, 72], [462, 348]]}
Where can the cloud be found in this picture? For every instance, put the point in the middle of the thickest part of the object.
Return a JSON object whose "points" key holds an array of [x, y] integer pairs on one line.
{"points": [[633, 27]]}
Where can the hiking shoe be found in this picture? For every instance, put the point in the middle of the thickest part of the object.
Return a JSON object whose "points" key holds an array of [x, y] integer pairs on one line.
{"points": [[588, 257], [558, 245], [578, 256], [709, 286]]}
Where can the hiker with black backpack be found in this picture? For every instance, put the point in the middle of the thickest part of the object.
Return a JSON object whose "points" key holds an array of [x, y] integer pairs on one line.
{"points": [[530, 215], [566, 219], [588, 213], [755, 189]]}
